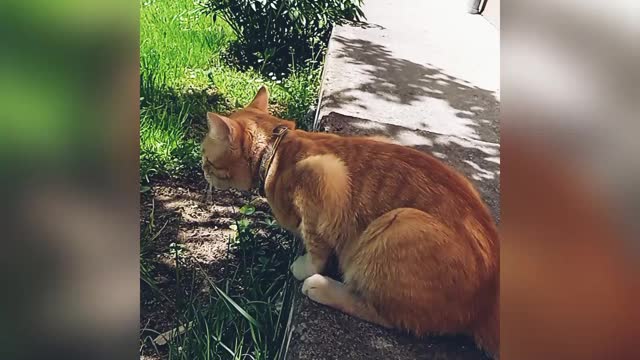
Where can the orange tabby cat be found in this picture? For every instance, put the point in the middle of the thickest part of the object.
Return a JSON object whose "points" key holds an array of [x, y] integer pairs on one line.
{"points": [[417, 246]]}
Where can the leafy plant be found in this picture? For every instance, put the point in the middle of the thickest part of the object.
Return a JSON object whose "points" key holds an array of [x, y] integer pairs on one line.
{"points": [[245, 237], [272, 32], [177, 250]]}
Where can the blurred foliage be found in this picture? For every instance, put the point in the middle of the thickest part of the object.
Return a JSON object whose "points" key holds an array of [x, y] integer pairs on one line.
{"points": [[59, 65]]}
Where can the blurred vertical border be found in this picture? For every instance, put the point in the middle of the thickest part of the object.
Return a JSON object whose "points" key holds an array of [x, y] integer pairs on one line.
{"points": [[69, 95], [570, 173]]}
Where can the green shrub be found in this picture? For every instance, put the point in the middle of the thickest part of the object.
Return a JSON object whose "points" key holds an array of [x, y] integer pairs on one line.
{"points": [[272, 33]]}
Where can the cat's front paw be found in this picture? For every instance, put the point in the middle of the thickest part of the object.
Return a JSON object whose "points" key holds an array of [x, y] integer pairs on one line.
{"points": [[302, 268]]}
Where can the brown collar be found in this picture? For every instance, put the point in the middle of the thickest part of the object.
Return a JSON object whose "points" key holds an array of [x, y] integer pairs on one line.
{"points": [[278, 134]]}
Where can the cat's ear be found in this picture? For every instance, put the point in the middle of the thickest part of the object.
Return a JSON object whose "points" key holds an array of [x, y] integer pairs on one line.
{"points": [[261, 100], [219, 127]]}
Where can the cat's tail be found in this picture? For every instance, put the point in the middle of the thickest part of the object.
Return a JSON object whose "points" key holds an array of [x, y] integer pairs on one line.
{"points": [[487, 329]]}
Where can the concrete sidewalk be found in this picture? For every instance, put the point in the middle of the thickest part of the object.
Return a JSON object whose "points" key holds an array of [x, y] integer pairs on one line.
{"points": [[425, 73], [424, 64]]}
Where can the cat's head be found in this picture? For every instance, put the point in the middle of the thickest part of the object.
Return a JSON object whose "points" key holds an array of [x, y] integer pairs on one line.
{"points": [[233, 143]]}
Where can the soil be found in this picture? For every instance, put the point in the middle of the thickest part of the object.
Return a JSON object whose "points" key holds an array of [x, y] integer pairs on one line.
{"points": [[202, 232]]}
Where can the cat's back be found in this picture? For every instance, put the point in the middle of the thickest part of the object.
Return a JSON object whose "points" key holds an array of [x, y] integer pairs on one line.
{"points": [[380, 161], [383, 175]]}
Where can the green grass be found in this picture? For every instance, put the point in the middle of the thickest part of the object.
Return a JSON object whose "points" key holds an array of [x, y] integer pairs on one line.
{"points": [[165, 144], [183, 75], [245, 315]]}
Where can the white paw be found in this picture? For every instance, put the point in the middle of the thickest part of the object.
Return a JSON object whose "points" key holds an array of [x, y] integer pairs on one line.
{"points": [[319, 289], [302, 268]]}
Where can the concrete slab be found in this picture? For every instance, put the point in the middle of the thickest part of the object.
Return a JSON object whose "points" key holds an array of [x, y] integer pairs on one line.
{"points": [[492, 12], [320, 333], [428, 65], [426, 74]]}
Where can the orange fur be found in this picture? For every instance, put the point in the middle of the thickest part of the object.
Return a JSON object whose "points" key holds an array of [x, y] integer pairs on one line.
{"points": [[417, 246]]}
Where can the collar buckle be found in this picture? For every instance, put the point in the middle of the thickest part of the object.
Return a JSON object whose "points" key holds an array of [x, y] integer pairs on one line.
{"points": [[279, 130]]}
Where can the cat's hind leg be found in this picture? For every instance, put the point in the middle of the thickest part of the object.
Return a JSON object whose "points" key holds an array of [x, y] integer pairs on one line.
{"points": [[418, 272]]}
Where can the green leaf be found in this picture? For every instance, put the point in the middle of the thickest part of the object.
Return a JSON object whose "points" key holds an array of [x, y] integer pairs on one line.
{"points": [[247, 210], [243, 223]]}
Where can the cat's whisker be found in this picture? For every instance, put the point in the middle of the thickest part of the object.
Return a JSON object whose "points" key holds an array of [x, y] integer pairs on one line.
{"points": [[209, 196]]}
